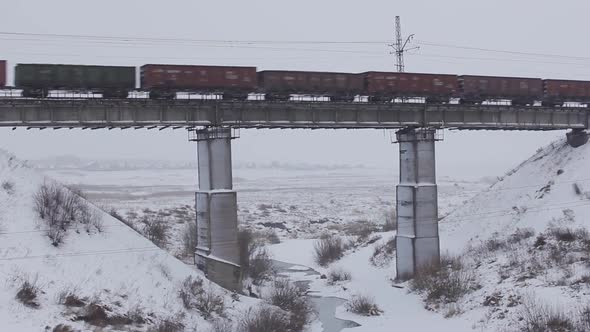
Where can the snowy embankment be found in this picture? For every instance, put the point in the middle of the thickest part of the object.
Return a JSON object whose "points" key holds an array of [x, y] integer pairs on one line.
{"points": [[521, 258], [114, 267]]}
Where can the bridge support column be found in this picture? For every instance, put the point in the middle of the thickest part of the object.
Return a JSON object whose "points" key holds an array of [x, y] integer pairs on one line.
{"points": [[417, 202], [216, 205]]}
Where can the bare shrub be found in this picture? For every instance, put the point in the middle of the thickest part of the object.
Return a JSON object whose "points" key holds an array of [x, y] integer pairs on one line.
{"points": [[563, 234], [63, 328], [49, 203], [390, 217], [537, 317], [167, 326], [69, 298], [261, 267], [495, 244], [28, 292], [222, 325], [384, 253], [206, 300], [90, 218], [272, 237], [115, 214], [363, 305], [156, 230], [328, 250], [521, 234], [540, 241], [136, 315], [189, 239], [264, 319], [338, 275], [8, 186], [292, 299], [584, 318], [98, 314], [247, 246], [254, 258], [56, 235], [446, 282], [361, 229], [58, 207]]}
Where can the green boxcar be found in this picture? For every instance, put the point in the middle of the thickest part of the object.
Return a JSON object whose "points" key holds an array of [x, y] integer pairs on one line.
{"points": [[37, 79]]}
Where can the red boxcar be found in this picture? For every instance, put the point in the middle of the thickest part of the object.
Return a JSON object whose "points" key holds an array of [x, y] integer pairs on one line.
{"points": [[559, 91], [518, 89], [2, 73], [172, 78], [279, 84], [387, 85]]}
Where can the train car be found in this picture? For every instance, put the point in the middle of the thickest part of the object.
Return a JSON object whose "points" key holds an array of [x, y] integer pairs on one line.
{"points": [[556, 92], [2, 73], [384, 86], [281, 84], [37, 79], [163, 81], [520, 90]]}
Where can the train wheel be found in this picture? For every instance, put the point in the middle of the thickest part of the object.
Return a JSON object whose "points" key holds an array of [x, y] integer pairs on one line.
{"points": [[115, 94], [379, 99], [465, 101], [235, 96], [35, 93], [277, 97], [158, 94], [436, 100], [550, 103], [342, 98]]}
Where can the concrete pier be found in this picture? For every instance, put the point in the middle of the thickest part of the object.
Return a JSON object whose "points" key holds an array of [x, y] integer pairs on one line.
{"points": [[216, 205], [417, 202]]}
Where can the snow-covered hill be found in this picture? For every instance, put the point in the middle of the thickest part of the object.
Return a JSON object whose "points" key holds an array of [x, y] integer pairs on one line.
{"points": [[526, 245], [115, 268], [551, 187]]}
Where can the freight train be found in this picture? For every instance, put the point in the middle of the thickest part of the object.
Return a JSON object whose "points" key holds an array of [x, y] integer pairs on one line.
{"points": [[237, 83]]}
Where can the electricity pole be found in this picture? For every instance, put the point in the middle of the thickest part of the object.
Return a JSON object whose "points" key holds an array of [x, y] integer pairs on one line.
{"points": [[399, 46]]}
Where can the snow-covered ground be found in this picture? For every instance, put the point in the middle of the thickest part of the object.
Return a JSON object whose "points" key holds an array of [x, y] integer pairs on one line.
{"points": [[115, 267], [519, 238], [524, 247]]}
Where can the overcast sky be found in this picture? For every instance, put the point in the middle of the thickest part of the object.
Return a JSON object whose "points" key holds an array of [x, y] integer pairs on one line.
{"points": [[526, 26]]}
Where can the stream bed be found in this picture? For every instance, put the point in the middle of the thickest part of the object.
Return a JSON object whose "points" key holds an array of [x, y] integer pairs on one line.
{"points": [[325, 307]]}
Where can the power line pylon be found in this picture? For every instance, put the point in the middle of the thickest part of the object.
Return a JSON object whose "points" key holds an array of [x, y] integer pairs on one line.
{"points": [[400, 46]]}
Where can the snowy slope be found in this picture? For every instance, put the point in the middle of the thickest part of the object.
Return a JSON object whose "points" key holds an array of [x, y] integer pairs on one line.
{"points": [[536, 194], [117, 267]]}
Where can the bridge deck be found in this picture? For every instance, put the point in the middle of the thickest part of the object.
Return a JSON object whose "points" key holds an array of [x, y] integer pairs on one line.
{"points": [[101, 113]]}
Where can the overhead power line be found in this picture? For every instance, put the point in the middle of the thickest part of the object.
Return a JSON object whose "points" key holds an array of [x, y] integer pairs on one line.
{"points": [[482, 49], [187, 40]]}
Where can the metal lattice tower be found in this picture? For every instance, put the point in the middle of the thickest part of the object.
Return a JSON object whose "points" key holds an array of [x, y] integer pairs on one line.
{"points": [[400, 46]]}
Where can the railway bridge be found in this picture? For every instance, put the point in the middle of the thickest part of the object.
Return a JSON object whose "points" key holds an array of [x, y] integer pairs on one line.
{"points": [[211, 122]]}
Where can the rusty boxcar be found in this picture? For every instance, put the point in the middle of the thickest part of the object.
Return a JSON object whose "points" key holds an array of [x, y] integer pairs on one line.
{"points": [[2, 73], [280, 84], [559, 91], [164, 81], [520, 90], [37, 79], [384, 86]]}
